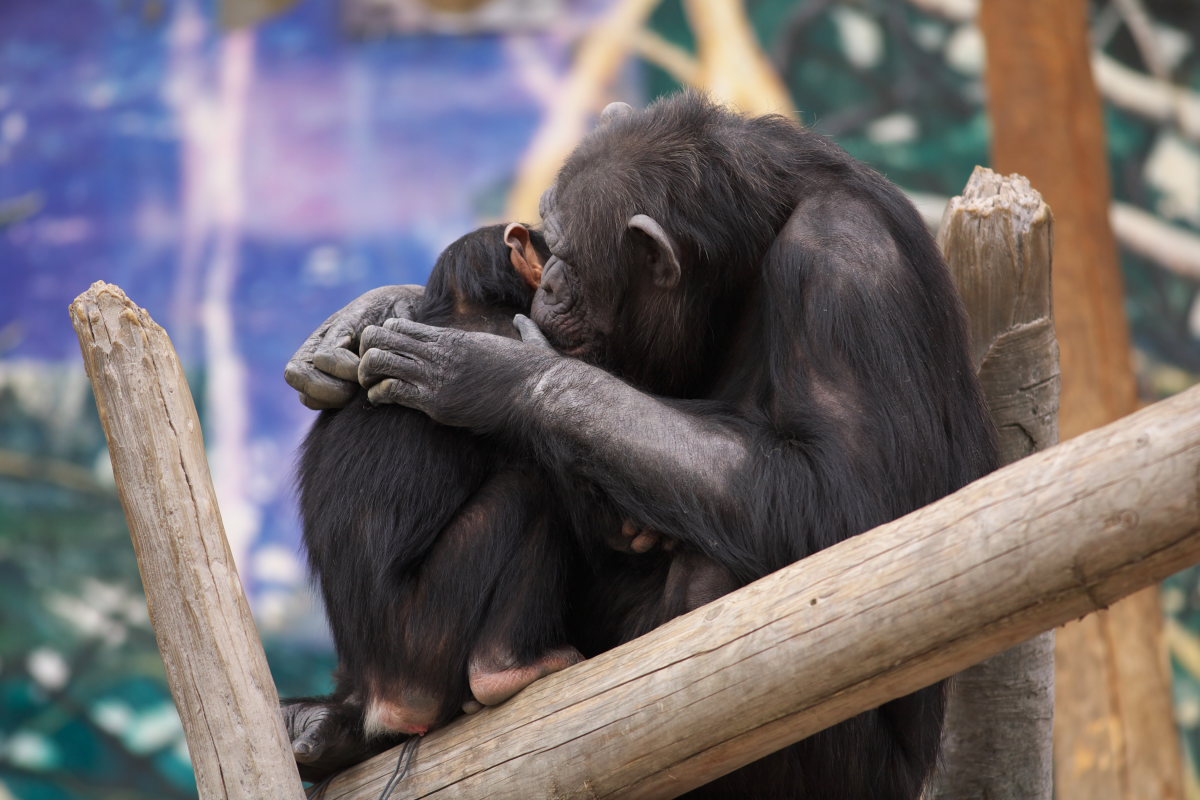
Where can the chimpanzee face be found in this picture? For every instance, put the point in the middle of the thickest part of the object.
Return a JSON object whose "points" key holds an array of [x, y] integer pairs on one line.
{"points": [[611, 291], [575, 317]]}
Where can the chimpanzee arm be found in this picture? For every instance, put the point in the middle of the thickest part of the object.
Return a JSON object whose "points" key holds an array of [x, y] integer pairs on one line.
{"points": [[666, 463], [325, 369]]}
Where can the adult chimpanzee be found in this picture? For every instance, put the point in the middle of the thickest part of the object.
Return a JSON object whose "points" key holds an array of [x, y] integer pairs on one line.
{"points": [[795, 299], [441, 557]]}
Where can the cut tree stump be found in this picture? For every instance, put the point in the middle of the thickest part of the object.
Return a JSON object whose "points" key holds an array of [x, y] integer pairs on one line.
{"points": [[215, 662], [998, 741]]}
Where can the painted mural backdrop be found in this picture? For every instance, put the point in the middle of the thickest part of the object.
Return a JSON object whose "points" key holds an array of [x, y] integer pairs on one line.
{"points": [[242, 184]]}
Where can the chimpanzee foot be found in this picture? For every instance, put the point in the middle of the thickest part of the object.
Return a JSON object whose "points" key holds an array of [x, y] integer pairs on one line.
{"points": [[491, 685], [326, 736], [408, 712]]}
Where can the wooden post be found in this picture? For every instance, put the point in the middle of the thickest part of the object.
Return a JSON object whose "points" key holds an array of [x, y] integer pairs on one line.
{"points": [[1047, 539], [215, 662], [998, 741], [1115, 736]]}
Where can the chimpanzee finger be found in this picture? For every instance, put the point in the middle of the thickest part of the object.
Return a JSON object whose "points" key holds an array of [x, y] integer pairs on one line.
{"points": [[401, 314], [418, 331], [339, 362], [318, 390], [391, 391], [644, 542], [315, 405], [530, 332], [310, 745], [396, 341], [377, 365], [405, 306]]}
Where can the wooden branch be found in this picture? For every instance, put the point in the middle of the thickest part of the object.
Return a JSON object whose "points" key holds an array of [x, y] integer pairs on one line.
{"points": [[1048, 539], [215, 662], [998, 740]]}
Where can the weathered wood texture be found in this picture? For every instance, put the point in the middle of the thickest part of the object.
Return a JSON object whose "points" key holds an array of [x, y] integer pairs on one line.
{"points": [[215, 662], [1050, 538], [1114, 731], [1047, 125], [998, 741]]}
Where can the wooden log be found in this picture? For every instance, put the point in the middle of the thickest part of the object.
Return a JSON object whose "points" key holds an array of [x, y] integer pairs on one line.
{"points": [[1115, 736], [998, 740], [1045, 540], [215, 662]]}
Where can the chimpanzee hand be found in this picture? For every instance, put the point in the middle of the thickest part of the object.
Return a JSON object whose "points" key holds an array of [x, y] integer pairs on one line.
{"points": [[637, 539], [458, 378], [325, 369]]}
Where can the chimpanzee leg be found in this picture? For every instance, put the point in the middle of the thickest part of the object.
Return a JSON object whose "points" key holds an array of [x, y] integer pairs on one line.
{"points": [[524, 636], [487, 602]]}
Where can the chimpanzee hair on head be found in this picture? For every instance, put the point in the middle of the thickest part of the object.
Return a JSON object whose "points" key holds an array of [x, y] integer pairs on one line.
{"points": [[476, 269]]}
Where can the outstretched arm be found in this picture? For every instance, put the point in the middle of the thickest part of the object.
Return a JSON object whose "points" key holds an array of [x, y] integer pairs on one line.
{"points": [[325, 369]]}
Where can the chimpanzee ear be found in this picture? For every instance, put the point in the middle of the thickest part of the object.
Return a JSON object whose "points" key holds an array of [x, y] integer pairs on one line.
{"points": [[664, 254], [523, 254], [614, 111]]}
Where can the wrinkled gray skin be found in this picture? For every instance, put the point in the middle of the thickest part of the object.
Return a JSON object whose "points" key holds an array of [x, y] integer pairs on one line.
{"points": [[325, 370], [630, 434]]}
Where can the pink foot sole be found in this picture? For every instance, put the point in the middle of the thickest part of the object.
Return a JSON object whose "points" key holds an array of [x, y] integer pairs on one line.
{"points": [[491, 686]]}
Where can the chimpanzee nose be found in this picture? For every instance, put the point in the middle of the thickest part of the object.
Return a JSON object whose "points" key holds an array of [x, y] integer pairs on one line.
{"points": [[551, 291]]}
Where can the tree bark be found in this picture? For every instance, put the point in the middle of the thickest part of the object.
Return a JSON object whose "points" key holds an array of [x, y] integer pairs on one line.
{"points": [[1050, 538], [1114, 732], [215, 662], [998, 741]]}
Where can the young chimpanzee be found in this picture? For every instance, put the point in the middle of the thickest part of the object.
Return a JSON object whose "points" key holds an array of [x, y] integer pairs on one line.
{"points": [[441, 557]]}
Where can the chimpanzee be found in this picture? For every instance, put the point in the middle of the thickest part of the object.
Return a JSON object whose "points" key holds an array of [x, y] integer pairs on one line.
{"points": [[753, 347], [441, 556]]}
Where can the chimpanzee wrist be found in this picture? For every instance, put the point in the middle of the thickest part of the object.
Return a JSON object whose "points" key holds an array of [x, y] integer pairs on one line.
{"points": [[552, 393]]}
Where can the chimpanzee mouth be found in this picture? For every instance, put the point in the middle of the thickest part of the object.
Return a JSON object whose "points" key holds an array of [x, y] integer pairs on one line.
{"points": [[572, 346], [571, 339]]}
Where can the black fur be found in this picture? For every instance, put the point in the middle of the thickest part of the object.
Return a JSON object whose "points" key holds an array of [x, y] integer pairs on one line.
{"points": [[818, 322], [814, 350], [428, 542]]}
